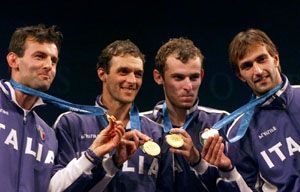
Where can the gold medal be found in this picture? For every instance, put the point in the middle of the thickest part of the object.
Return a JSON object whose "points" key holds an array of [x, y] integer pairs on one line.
{"points": [[207, 134], [151, 148], [113, 119], [175, 140]]}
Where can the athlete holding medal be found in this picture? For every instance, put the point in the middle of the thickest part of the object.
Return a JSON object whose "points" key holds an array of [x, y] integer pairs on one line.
{"points": [[268, 155], [179, 70], [134, 165]]}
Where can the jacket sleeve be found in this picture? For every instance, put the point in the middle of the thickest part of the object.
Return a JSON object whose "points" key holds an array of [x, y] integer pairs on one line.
{"points": [[241, 155], [72, 170], [224, 181]]}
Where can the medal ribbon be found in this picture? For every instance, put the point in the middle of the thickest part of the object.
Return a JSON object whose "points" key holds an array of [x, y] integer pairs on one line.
{"points": [[84, 109], [134, 118], [248, 110], [167, 121]]}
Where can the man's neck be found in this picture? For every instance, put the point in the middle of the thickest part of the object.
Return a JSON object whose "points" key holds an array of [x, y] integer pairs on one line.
{"points": [[177, 115], [24, 100], [117, 109]]}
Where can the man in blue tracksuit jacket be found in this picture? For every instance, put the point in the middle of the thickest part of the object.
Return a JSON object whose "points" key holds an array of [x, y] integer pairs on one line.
{"points": [[120, 68], [28, 145], [268, 155], [179, 70]]}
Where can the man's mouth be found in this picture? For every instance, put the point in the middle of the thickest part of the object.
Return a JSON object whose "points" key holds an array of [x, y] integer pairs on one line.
{"points": [[260, 79], [128, 88], [45, 76]]}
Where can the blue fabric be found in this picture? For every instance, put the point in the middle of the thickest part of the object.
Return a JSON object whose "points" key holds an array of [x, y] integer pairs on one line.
{"points": [[28, 146], [270, 148]]}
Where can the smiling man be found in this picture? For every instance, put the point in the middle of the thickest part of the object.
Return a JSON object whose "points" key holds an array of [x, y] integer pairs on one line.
{"points": [[120, 69], [268, 156]]}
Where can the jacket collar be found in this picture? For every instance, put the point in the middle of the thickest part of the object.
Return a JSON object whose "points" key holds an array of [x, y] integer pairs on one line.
{"points": [[282, 97], [10, 93], [157, 111]]}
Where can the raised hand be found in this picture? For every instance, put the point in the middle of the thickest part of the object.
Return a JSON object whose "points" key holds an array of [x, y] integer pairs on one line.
{"points": [[188, 150], [109, 138], [213, 153], [130, 142]]}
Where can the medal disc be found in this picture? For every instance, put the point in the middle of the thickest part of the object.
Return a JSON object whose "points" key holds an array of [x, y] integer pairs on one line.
{"points": [[175, 140], [208, 133], [151, 148], [113, 119]]}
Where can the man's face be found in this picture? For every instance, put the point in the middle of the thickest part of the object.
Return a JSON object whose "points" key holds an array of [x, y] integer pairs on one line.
{"points": [[37, 67], [124, 79], [259, 70], [181, 81]]}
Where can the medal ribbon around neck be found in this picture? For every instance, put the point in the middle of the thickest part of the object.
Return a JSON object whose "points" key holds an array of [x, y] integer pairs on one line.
{"points": [[167, 121], [134, 118], [83, 109], [248, 110]]}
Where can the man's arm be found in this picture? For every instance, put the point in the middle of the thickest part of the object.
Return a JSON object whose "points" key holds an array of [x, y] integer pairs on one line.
{"points": [[81, 168], [230, 179]]}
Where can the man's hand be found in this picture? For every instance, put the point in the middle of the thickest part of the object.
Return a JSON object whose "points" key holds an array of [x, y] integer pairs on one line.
{"points": [[188, 150], [130, 142], [213, 153], [109, 138]]}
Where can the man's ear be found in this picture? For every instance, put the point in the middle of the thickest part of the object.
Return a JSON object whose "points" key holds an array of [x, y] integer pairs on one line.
{"points": [[276, 58], [238, 74], [12, 60], [101, 74], [202, 74], [157, 77]]}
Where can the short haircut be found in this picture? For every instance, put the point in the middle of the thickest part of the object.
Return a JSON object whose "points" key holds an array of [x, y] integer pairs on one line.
{"points": [[243, 41], [183, 48], [118, 48], [39, 33]]}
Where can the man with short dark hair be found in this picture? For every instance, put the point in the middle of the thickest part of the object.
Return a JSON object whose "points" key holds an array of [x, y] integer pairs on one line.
{"points": [[268, 155], [120, 68]]}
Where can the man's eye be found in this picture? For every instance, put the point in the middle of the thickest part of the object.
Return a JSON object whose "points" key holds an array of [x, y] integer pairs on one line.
{"points": [[261, 59], [39, 57], [178, 78], [246, 66], [194, 78], [138, 75], [123, 72]]}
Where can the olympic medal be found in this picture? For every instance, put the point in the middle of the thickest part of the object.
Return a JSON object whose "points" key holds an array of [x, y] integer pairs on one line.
{"points": [[113, 119], [207, 134], [151, 148], [175, 140]]}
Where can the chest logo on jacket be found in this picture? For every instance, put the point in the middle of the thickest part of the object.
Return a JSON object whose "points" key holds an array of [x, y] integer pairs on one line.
{"points": [[267, 132], [88, 136]]}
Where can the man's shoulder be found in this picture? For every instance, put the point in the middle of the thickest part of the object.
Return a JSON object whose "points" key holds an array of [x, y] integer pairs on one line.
{"points": [[146, 119], [296, 89], [73, 118], [212, 111]]}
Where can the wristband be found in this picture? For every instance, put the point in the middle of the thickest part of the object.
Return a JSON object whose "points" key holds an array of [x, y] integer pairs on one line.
{"points": [[224, 170], [194, 164], [92, 157], [200, 157]]}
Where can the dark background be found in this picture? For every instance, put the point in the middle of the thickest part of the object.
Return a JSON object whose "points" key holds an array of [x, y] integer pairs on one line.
{"points": [[88, 26]]}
